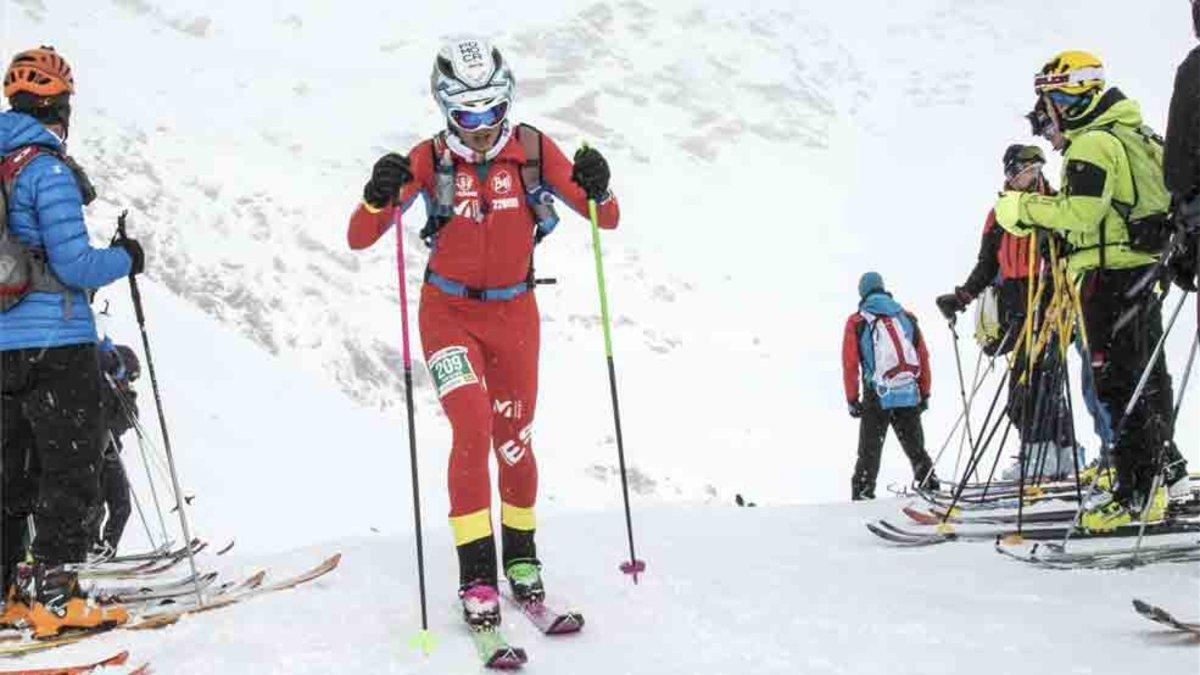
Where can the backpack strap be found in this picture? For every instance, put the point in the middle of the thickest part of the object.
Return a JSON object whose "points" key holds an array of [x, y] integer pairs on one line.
{"points": [[531, 169], [441, 202], [537, 196], [42, 278]]}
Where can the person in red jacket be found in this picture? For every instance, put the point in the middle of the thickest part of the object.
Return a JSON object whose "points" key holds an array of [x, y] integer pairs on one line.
{"points": [[487, 184], [1003, 263], [1003, 260], [883, 345]]}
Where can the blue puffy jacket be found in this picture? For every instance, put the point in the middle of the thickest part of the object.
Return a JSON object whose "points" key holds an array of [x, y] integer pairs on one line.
{"points": [[45, 211]]}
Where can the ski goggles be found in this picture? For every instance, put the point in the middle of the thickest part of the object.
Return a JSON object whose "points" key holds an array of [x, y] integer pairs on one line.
{"points": [[474, 120], [1021, 161], [1041, 122]]}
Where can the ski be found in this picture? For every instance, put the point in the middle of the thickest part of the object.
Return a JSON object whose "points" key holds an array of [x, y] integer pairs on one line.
{"points": [[162, 551], [98, 589], [152, 594], [147, 569], [1051, 556], [945, 533], [148, 558], [247, 589], [1162, 616], [933, 517], [117, 659], [888, 535], [548, 620], [495, 652], [161, 619]]}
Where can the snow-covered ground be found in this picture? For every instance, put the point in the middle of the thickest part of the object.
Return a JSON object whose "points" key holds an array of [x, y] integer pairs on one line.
{"points": [[765, 156], [801, 589]]}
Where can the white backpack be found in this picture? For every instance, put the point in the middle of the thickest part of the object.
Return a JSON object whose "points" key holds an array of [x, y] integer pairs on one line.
{"points": [[897, 365]]}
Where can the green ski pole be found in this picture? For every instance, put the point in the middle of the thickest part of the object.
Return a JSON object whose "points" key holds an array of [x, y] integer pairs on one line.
{"points": [[633, 567]]}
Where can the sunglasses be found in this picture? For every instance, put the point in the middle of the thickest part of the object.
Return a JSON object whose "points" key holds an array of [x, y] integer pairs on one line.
{"points": [[474, 120]]}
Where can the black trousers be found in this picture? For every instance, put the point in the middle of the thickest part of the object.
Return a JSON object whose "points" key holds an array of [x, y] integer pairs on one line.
{"points": [[50, 444], [872, 430], [114, 500], [1119, 356], [1037, 407]]}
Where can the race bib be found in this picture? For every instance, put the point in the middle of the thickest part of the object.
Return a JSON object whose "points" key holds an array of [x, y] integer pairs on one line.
{"points": [[451, 369]]}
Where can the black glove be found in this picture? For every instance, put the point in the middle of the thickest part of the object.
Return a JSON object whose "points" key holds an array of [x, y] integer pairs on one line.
{"points": [[856, 409], [950, 304], [1181, 268], [591, 173], [923, 405], [389, 174], [136, 254]]}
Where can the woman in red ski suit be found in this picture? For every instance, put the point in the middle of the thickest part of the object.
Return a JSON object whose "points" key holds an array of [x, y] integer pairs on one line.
{"points": [[478, 315]]}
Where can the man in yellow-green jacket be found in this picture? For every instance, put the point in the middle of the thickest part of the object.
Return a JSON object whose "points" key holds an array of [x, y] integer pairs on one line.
{"points": [[1112, 210]]}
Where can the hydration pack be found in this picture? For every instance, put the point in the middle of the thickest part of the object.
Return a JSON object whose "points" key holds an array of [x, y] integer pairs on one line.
{"points": [[896, 366], [1148, 217], [538, 196], [23, 269]]}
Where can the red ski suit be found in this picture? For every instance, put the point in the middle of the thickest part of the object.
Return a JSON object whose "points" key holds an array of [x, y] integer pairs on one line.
{"points": [[483, 355]]}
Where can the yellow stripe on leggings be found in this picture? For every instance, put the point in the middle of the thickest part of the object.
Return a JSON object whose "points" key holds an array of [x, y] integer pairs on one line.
{"points": [[518, 517], [471, 527]]}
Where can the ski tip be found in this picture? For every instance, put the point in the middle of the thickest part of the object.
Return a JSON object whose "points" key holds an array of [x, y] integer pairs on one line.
{"points": [[566, 624], [507, 658]]}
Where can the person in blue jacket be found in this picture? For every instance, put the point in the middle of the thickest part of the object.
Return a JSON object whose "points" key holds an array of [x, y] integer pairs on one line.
{"points": [[49, 364]]}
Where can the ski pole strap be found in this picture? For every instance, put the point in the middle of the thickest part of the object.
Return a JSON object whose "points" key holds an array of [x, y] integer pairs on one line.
{"points": [[451, 287]]}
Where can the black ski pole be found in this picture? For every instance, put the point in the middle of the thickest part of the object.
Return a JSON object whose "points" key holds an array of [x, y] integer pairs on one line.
{"points": [[1160, 460], [423, 640], [162, 418], [962, 393]]}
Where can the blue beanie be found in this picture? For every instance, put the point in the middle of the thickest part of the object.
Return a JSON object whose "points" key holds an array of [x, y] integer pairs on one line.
{"points": [[869, 283]]}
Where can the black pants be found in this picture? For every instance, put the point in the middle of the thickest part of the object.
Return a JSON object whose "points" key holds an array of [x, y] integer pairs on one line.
{"points": [[1037, 406], [1119, 357], [906, 422], [50, 444], [114, 500]]}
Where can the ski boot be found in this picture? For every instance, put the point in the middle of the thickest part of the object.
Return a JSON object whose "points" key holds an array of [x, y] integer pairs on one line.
{"points": [[1179, 484], [16, 609], [930, 484], [525, 580], [1102, 479], [481, 605], [59, 604], [1114, 513]]}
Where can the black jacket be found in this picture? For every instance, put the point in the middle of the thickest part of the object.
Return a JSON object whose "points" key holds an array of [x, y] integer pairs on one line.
{"points": [[1181, 163]]}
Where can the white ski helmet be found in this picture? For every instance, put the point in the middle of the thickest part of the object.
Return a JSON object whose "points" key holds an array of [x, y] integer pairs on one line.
{"points": [[471, 83]]}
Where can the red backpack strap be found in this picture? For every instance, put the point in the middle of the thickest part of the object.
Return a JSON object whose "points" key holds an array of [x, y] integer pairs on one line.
{"points": [[13, 162], [898, 346]]}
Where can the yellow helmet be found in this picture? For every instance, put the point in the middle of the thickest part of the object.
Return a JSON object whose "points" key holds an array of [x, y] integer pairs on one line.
{"points": [[1071, 72]]}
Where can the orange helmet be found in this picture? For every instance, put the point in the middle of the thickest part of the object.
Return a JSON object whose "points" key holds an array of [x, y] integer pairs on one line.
{"points": [[41, 72]]}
